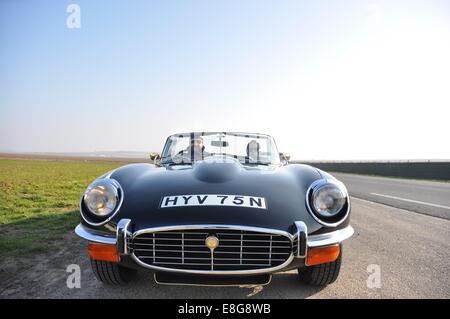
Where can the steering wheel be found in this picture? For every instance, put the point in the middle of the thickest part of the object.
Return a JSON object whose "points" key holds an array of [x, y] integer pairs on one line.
{"points": [[181, 158]]}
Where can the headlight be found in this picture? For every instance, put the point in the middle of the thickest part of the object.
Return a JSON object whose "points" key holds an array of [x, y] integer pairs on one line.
{"points": [[328, 202], [102, 197]]}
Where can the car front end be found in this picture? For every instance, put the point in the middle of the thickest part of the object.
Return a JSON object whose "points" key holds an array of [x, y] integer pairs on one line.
{"points": [[216, 221]]}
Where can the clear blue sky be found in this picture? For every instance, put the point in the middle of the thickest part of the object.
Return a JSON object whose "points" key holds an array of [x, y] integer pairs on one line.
{"points": [[328, 79]]}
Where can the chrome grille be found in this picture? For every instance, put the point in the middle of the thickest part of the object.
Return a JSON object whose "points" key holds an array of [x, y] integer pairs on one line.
{"points": [[295, 243], [237, 250]]}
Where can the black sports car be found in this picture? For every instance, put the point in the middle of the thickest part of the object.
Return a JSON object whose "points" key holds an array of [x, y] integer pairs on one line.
{"points": [[216, 209]]}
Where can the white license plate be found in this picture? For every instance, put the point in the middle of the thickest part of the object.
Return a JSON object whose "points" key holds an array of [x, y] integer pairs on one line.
{"points": [[213, 200]]}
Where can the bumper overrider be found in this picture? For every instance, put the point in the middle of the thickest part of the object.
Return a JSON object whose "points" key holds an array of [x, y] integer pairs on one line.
{"points": [[198, 249]]}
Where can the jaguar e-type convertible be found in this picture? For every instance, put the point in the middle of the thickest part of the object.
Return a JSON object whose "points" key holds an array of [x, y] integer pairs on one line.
{"points": [[216, 208]]}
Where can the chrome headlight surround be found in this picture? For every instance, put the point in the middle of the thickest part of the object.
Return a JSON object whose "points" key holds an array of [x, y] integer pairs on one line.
{"points": [[327, 220], [93, 218]]}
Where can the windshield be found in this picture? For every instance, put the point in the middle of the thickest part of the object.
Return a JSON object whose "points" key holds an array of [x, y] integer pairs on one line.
{"points": [[249, 149]]}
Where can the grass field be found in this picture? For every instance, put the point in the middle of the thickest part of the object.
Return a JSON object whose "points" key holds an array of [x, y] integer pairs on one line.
{"points": [[39, 201]]}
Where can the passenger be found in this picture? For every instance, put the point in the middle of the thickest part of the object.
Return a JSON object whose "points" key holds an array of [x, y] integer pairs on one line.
{"points": [[253, 148]]}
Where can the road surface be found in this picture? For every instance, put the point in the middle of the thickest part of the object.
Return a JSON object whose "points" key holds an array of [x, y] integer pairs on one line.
{"points": [[425, 197], [412, 252]]}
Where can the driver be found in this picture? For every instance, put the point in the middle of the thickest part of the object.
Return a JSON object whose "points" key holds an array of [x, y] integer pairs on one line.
{"points": [[253, 151], [195, 151]]}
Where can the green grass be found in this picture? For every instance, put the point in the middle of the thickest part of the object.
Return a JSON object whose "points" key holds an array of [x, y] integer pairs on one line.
{"points": [[39, 201]]}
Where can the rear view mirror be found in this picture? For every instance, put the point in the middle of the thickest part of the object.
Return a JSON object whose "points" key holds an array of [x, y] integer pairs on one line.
{"points": [[285, 158], [154, 156], [219, 143]]}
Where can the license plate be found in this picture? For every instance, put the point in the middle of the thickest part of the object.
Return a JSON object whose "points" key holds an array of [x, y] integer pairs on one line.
{"points": [[213, 200]]}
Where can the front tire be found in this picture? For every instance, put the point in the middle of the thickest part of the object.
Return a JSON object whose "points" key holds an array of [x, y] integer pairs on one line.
{"points": [[323, 274], [111, 273]]}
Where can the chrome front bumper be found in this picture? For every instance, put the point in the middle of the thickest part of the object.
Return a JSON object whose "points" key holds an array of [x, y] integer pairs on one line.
{"points": [[300, 241]]}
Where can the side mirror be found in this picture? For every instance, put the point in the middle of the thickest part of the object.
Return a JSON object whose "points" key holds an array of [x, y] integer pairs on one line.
{"points": [[285, 158], [154, 156]]}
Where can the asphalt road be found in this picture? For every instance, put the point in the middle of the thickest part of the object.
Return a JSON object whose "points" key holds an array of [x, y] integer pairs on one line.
{"points": [[425, 197], [411, 250]]}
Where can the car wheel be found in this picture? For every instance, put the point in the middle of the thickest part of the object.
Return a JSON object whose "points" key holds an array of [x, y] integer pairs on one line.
{"points": [[323, 274], [111, 273]]}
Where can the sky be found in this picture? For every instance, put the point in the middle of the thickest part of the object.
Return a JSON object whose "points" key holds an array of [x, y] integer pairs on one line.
{"points": [[330, 80]]}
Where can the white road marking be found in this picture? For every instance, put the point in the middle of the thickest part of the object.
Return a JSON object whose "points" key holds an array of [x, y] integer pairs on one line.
{"points": [[411, 201]]}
